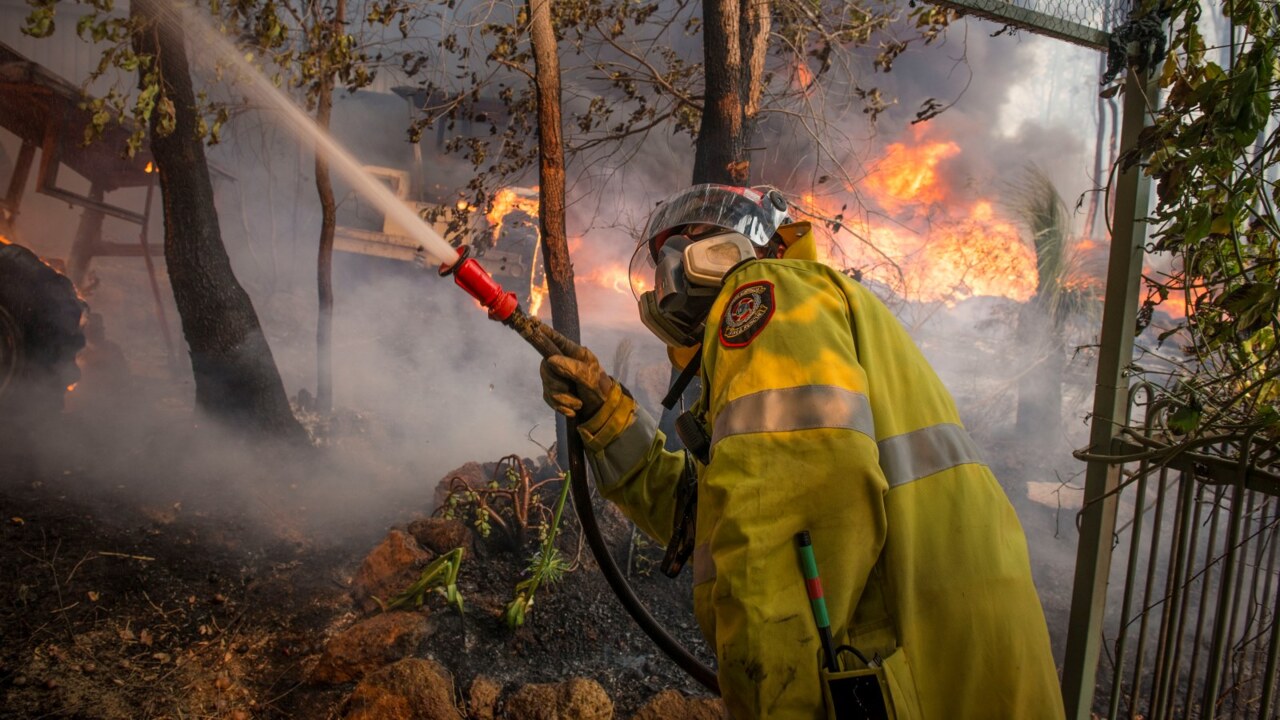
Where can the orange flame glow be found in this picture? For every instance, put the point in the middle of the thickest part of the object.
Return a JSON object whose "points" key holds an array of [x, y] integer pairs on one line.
{"points": [[506, 202], [933, 247], [615, 278], [907, 177], [802, 78], [1182, 303]]}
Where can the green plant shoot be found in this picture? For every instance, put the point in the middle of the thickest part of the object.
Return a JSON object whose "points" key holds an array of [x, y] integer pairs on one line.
{"points": [[441, 576], [547, 566]]}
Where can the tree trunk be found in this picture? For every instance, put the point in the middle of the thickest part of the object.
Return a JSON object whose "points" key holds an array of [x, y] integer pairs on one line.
{"points": [[735, 35], [235, 375], [328, 221], [551, 222]]}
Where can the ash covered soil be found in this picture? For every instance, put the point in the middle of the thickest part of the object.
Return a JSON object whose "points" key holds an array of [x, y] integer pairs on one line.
{"points": [[203, 587]]}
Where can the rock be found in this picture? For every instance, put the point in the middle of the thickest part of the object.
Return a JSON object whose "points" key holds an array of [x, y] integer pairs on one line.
{"points": [[411, 689], [482, 701], [473, 474], [388, 569], [370, 644], [573, 699], [671, 705], [441, 535]]}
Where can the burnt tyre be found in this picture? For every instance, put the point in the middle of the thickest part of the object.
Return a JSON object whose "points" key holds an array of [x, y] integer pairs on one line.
{"points": [[40, 334]]}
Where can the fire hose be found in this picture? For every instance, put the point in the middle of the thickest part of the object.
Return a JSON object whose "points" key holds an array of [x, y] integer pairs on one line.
{"points": [[505, 308]]}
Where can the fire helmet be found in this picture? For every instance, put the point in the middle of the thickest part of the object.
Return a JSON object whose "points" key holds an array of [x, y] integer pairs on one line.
{"points": [[754, 213], [691, 240]]}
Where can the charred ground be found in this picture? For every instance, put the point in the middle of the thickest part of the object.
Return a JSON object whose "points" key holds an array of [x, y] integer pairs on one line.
{"points": [[145, 596]]}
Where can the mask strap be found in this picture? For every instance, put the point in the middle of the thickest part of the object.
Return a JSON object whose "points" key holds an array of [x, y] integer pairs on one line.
{"points": [[682, 381]]}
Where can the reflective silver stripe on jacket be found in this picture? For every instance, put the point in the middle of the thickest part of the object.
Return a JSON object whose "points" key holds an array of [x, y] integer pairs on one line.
{"points": [[805, 407], [903, 459], [910, 456], [626, 451]]}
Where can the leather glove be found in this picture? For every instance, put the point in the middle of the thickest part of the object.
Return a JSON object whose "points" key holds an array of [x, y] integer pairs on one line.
{"points": [[573, 383]]}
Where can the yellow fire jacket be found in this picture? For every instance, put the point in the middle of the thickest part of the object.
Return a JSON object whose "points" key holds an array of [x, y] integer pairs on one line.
{"points": [[825, 417]]}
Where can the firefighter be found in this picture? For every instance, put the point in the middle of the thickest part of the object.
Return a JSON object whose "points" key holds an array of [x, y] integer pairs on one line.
{"points": [[822, 415]]}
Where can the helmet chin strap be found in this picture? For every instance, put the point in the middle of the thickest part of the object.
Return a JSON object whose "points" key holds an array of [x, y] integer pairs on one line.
{"points": [[686, 376]]}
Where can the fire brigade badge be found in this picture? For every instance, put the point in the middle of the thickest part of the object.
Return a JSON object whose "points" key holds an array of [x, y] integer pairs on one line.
{"points": [[747, 313]]}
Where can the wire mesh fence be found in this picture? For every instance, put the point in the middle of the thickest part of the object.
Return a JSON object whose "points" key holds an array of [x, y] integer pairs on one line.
{"points": [[1082, 22]]}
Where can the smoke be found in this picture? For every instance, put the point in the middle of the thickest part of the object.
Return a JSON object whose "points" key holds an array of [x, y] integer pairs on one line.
{"points": [[425, 382]]}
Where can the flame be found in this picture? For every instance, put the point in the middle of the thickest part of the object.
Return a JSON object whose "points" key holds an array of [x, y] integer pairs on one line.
{"points": [[907, 176], [4, 240], [802, 78], [926, 244], [1181, 303], [537, 294], [975, 255], [506, 202], [72, 387], [615, 278], [150, 168]]}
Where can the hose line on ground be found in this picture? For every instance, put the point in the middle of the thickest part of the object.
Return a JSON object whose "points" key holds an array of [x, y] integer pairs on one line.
{"points": [[581, 489], [505, 308]]}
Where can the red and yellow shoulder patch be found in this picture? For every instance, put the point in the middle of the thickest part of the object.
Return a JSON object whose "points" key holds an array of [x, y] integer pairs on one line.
{"points": [[746, 314]]}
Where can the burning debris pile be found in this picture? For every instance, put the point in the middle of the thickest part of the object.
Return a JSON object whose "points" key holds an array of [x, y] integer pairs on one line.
{"points": [[919, 236], [41, 331]]}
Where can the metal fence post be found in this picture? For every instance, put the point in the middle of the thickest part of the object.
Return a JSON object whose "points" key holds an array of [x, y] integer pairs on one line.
{"points": [[1111, 392]]}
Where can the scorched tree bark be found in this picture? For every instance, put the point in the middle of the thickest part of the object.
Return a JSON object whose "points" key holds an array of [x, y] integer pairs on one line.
{"points": [[735, 39], [235, 374], [555, 244], [551, 223]]}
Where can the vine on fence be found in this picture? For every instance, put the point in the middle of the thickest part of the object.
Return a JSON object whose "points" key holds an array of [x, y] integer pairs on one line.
{"points": [[1213, 151]]}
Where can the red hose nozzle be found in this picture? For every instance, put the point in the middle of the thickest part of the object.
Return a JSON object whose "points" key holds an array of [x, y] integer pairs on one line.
{"points": [[479, 284]]}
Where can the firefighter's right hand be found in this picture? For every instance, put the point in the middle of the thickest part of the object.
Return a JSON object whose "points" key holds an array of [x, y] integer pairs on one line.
{"points": [[573, 383]]}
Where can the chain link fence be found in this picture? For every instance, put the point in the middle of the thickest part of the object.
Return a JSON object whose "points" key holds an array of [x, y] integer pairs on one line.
{"points": [[1082, 22]]}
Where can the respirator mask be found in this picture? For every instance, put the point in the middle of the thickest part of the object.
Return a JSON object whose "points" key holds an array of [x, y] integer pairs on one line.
{"points": [[686, 280], [692, 240]]}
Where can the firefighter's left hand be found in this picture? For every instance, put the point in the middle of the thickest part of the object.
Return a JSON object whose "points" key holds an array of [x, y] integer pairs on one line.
{"points": [[573, 383]]}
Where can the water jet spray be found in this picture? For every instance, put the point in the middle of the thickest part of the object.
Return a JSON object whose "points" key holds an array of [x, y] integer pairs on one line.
{"points": [[500, 304]]}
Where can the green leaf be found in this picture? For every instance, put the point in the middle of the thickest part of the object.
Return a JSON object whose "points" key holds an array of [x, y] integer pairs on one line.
{"points": [[1186, 419]]}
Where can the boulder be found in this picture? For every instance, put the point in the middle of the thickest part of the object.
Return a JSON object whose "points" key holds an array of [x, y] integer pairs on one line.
{"points": [[411, 689], [390, 568], [473, 474], [441, 535], [573, 699], [671, 705], [482, 700], [370, 644]]}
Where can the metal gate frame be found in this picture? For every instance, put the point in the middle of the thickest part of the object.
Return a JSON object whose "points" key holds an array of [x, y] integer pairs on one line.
{"points": [[1195, 634], [1110, 406], [1122, 462]]}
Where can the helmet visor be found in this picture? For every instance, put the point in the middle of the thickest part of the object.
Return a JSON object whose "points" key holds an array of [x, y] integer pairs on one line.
{"points": [[641, 271], [740, 210]]}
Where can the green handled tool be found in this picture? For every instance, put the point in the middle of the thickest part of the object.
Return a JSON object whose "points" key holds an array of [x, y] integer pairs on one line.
{"points": [[817, 602]]}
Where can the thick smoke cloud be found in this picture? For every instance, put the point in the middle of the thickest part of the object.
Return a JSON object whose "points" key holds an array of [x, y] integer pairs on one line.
{"points": [[431, 383]]}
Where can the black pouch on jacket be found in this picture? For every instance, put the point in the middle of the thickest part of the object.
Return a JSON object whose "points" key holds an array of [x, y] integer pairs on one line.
{"points": [[855, 694]]}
